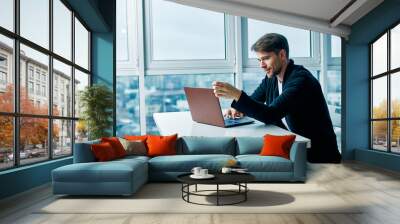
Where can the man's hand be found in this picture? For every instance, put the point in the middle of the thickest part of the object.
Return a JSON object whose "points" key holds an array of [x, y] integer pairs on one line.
{"points": [[232, 113], [226, 90]]}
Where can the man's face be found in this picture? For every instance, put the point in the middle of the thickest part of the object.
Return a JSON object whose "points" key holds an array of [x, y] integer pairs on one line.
{"points": [[270, 62]]}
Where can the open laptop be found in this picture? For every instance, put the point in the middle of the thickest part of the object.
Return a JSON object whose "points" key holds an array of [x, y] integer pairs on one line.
{"points": [[205, 108]]}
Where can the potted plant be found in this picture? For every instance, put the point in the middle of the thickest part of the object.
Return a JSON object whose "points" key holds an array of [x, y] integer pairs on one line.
{"points": [[96, 103]]}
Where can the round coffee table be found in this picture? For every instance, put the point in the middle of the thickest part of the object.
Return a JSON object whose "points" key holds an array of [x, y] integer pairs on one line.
{"points": [[238, 179]]}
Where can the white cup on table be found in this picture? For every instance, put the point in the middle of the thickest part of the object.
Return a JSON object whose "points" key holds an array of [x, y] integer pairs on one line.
{"points": [[196, 170], [203, 172]]}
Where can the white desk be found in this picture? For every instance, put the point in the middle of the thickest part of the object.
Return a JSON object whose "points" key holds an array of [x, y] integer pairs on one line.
{"points": [[181, 122]]}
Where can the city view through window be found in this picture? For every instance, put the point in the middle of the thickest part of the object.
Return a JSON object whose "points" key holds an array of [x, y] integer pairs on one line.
{"points": [[40, 109], [385, 96]]}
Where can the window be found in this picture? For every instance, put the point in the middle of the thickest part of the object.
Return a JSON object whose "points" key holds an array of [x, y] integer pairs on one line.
{"points": [[35, 22], [299, 39], [181, 32], [6, 142], [336, 47], [385, 97], [30, 87], [62, 137], [61, 72], [81, 45], [128, 105], [7, 14], [44, 132], [62, 29], [165, 93], [81, 82], [395, 47], [6, 73], [40, 62], [172, 61]]}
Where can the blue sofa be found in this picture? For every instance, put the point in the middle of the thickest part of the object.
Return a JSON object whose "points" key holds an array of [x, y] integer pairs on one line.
{"points": [[125, 176]]}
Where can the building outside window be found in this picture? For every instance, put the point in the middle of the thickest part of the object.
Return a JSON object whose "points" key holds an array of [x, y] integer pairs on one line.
{"points": [[34, 70]]}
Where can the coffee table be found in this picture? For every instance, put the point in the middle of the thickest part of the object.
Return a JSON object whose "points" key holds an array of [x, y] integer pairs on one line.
{"points": [[238, 179]]}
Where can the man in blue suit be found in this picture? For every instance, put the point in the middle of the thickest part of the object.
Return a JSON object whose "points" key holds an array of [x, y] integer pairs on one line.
{"points": [[289, 96]]}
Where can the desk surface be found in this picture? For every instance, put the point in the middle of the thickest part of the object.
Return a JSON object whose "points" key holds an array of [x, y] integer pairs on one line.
{"points": [[181, 122]]}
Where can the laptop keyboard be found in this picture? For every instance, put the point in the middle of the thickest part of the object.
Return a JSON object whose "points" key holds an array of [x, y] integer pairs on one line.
{"points": [[229, 121]]}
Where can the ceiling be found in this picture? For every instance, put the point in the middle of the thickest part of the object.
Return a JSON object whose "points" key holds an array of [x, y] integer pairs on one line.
{"points": [[328, 16]]}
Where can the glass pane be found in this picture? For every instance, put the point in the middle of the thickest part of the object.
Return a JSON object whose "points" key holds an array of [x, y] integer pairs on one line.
{"points": [[165, 93], [379, 55], [395, 47], [181, 32], [251, 80], [62, 29], [62, 89], [33, 139], [379, 135], [379, 98], [395, 94], [7, 14], [35, 21], [81, 81], [122, 29], [299, 39], [395, 136], [81, 45], [6, 74], [34, 72], [336, 47], [6, 142], [62, 138], [128, 121], [334, 101], [81, 131]]}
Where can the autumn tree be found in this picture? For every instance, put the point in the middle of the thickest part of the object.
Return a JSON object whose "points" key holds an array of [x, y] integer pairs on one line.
{"points": [[33, 131]]}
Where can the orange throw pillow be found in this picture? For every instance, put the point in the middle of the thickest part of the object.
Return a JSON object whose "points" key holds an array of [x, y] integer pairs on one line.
{"points": [[116, 145], [136, 137], [103, 152], [277, 145], [161, 145]]}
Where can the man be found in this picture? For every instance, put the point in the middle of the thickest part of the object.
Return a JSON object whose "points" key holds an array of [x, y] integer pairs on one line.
{"points": [[289, 96]]}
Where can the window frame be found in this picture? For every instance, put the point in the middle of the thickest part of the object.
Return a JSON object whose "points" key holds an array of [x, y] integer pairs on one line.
{"points": [[388, 74], [15, 70], [313, 61], [160, 67]]}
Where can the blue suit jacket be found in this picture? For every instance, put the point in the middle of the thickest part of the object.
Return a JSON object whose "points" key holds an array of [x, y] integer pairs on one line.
{"points": [[303, 105]]}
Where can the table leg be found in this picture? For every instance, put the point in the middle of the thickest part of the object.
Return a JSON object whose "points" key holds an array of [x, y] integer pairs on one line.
{"points": [[217, 194], [196, 188]]}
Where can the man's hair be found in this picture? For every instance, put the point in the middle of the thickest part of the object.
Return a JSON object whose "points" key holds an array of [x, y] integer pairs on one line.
{"points": [[271, 42]]}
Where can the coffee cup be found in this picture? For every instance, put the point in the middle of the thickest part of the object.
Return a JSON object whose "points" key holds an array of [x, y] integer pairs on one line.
{"points": [[196, 170], [203, 172], [226, 170]]}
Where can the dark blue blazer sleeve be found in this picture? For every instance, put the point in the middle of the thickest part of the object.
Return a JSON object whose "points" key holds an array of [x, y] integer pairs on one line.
{"points": [[259, 93], [293, 94]]}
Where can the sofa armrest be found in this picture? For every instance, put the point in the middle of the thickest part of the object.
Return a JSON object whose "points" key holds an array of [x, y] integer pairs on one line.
{"points": [[298, 155], [83, 152]]}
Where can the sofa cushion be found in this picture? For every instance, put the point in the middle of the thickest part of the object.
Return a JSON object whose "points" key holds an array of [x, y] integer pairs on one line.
{"points": [[197, 145], [185, 163], [275, 145], [103, 152], [116, 145], [249, 145], [257, 163], [161, 145], [111, 171]]}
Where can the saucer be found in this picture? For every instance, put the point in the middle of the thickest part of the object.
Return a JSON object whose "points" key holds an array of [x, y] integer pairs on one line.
{"points": [[208, 176]]}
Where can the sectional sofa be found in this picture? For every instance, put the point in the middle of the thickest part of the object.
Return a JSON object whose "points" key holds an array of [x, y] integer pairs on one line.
{"points": [[125, 176]]}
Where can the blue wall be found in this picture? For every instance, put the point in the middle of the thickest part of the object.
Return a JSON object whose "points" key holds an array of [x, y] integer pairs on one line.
{"points": [[99, 15], [357, 84]]}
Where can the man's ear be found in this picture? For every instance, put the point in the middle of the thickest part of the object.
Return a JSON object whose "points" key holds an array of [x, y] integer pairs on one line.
{"points": [[282, 54]]}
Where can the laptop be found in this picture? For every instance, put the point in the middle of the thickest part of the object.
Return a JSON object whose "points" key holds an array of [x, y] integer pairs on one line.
{"points": [[205, 108]]}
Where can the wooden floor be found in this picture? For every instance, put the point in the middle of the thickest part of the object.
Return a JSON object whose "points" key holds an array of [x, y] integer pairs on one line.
{"points": [[377, 188]]}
